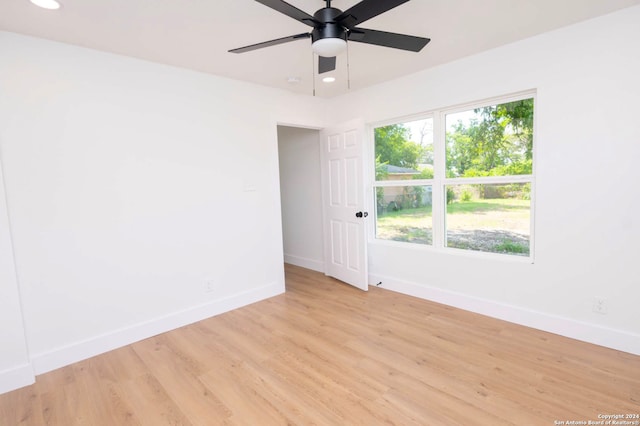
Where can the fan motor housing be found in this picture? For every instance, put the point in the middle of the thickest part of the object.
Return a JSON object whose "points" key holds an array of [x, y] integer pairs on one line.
{"points": [[330, 29]]}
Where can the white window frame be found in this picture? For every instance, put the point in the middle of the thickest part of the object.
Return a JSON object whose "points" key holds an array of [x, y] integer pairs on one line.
{"points": [[440, 181]]}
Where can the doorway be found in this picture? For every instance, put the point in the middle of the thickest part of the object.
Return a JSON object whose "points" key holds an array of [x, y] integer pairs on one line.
{"points": [[301, 197], [322, 200]]}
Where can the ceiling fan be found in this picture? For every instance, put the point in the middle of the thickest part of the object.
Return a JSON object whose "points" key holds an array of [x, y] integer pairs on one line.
{"points": [[332, 28]]}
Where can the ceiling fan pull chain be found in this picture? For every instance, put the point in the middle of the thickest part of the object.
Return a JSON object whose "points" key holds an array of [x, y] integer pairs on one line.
{"points": [[348, 70]]}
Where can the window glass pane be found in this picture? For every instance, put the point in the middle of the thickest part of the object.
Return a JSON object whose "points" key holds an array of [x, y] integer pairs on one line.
{"points": [[404, 150], [495, 140], [403, 213], [489, 217]]}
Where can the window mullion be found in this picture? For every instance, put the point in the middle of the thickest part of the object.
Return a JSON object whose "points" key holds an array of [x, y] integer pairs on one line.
{"points": [[489, 180], [439, 204], [412, 182]]}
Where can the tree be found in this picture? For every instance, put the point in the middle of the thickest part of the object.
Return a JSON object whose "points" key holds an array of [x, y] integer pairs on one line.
{"points": [[498, 141], [393, 146], [516, 118]]}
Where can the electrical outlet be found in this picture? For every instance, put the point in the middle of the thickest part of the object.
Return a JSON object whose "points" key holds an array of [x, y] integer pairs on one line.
{"points": [[600, 306], [209, 286]]}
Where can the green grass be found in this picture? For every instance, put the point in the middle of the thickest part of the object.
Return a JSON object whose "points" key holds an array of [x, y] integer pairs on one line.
{"points": [[507, 246], [483, 206], [493, 225], [409, 225]]}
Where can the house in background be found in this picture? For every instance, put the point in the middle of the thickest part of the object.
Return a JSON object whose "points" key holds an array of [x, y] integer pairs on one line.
{"points": [[114, 170], [394, 197], [400, 173]]}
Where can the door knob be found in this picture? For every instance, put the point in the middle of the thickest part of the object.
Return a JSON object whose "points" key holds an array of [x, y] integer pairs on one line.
{"points": [[359, 214]]}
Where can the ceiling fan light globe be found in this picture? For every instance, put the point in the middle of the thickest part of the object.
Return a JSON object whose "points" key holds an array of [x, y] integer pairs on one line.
{"points": [[47, 4], [329, 47]]}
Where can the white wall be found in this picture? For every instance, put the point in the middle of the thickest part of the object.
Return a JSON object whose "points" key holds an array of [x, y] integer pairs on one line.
{"points": [[301, 197], [129, 186], [15, 367], [587, 198]]}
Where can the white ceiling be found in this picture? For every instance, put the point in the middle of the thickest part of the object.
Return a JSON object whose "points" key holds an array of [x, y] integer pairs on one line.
{"points": [[196, 34]]}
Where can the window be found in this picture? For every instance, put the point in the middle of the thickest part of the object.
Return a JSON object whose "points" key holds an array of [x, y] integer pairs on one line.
{"points": [[404, 176], [467, 186]]}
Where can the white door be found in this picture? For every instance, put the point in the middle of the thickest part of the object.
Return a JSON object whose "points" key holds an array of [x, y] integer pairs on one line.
{"points": [[345, 245]]}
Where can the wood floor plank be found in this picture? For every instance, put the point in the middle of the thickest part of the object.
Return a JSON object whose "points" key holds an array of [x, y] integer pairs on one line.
{"points": [[179, 372], [21, 407], [151, 403], [325, 353]]}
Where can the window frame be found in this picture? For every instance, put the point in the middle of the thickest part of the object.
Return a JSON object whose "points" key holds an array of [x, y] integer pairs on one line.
{"points": [[440, 181]]}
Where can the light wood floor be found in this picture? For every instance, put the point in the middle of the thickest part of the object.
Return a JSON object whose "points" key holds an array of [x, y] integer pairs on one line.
{"points": [[325, 353]]}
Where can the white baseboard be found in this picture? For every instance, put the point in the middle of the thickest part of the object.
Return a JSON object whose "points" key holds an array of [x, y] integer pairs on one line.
{"points": [[60, 357], [16, 378], [314, 265], [579, 330]]}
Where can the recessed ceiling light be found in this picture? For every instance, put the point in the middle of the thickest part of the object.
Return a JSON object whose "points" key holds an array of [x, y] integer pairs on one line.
{"points": [[329, 79], [47, 4]]}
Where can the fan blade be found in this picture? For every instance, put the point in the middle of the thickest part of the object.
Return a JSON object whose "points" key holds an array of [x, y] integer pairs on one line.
{"points": [[366, 10], [393, 40], [326, 64], [270, 43], [290, 11]]}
